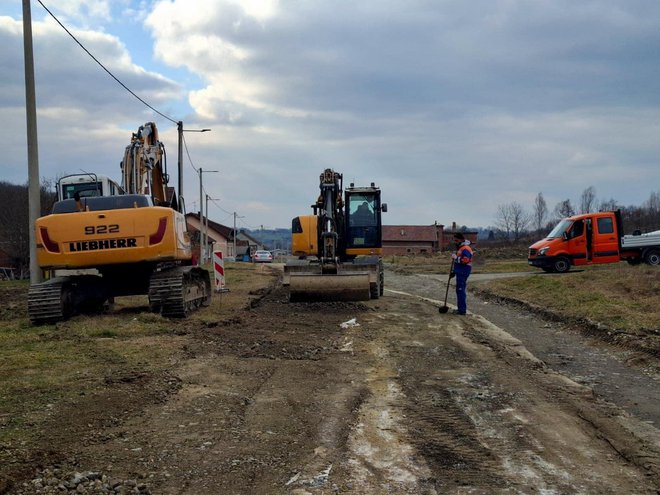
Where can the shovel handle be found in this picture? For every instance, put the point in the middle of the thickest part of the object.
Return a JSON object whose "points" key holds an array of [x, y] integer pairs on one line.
{"points": [[451, 269]]}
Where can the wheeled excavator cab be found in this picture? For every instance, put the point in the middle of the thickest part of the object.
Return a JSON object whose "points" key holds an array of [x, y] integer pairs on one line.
{"points": [[364, 230]]}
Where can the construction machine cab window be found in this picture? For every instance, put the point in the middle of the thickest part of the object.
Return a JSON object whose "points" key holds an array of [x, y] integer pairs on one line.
{"points": [[363, 228], [84, 190], [361, 211]]}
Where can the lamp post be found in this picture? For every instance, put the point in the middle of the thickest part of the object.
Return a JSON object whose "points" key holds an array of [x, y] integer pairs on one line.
{"points": [[180, 130], [201, 216]]}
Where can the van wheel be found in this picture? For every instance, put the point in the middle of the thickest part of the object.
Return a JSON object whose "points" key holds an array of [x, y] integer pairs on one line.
{"points": [[561, 265], [653, 257]]}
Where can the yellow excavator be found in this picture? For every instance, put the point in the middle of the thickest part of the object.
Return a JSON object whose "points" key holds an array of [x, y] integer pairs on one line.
{"points": [[102, 247], [339, 247]]}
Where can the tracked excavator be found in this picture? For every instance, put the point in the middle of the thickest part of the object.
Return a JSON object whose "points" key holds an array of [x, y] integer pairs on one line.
{"points": [[128, 244], [339, 247]]}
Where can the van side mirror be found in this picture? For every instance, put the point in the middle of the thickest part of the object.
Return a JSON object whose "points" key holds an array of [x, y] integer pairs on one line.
{"points": [[383, 207], [565, 236]]}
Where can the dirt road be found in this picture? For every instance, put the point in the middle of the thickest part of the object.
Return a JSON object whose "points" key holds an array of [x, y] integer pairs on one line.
{"points": [[387, 396]]}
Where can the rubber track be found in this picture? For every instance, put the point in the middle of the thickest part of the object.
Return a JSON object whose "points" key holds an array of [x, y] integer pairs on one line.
{"points": [[45, 304], [175, 292]]}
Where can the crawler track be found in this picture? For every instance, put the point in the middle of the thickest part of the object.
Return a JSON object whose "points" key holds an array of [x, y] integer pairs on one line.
{"points": [[49, 302], [173, 292], [176, 291]]}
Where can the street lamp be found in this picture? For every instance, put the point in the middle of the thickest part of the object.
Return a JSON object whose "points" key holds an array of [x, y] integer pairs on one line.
{"points": [[180, 131], [201, 216]]}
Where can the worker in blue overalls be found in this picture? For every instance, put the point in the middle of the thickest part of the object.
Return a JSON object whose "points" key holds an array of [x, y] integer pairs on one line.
{"points": [[461, 269]]}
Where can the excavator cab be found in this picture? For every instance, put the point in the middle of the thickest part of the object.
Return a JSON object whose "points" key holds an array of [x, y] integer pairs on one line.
{"points": [[363, 221]]}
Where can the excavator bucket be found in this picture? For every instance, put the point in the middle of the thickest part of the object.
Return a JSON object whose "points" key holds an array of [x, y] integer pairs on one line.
{"points": [[329, 287]]}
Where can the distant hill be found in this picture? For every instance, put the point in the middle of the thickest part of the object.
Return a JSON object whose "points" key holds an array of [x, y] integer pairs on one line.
{"points": [[281, 238], [272, 238]]}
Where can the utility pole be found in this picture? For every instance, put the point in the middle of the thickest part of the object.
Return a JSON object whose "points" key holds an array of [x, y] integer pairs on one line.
{"points": [[234, 236], [235, 232], [202, 240], [179, 192], [206, 223], [34, 202]]}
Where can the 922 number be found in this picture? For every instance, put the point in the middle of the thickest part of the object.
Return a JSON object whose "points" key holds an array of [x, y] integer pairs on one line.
{"points": [[102, 229]]}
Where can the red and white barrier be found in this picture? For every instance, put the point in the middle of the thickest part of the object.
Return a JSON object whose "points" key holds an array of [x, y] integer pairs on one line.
{"points": [[219, 270]]}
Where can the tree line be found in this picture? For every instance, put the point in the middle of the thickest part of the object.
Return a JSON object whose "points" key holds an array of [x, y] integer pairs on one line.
{"points": [[514, 222], [15, 224]]}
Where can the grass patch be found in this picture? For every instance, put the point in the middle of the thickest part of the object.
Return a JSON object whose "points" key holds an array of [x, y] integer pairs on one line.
{"points": [[440, 263], [619, 296], [41, 367]]}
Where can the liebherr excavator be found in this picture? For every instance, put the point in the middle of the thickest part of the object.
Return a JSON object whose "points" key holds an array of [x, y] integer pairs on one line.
{"points": [[340, 245], [135, 243]]}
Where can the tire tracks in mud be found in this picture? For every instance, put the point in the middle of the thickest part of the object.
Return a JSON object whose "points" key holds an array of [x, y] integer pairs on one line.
{"points": [[483, 414]]}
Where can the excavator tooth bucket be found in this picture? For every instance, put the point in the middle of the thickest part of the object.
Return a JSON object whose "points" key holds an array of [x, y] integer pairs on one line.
{"points": [[341, 287]]}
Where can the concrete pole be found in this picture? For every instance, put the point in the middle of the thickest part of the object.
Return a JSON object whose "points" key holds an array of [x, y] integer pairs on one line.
{"points": [[206, 221], [202, 238], [234, 235], [201, 220], [179, 128], [34, 189]]}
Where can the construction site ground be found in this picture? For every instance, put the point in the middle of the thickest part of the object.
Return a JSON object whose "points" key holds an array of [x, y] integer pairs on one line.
{"points": [[381, 397]]}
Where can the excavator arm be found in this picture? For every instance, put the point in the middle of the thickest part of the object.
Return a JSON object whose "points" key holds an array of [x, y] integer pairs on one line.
{"points": [[144, 168]]}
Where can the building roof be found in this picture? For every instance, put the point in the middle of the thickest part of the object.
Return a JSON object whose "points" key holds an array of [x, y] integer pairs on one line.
{"points": [[428, 233], [223, 230]]}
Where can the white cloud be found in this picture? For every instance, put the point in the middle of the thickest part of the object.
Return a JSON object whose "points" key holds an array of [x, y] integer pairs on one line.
{"points": [[452, 107]]}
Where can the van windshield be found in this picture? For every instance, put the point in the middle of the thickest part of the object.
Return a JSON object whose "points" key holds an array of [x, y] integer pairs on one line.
{"points": [[559, 230]]}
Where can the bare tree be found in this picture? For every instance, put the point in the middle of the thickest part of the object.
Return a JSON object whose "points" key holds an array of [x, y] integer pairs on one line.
{"points": [[563, 209], [540, 213], [609, 205], [15, 224], [503, 219], [512, 219], [652, 205], [521, 220], [588, 200]]}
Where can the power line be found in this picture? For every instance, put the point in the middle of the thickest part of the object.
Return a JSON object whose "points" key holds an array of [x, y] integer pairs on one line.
{"points": [[218, 206], [103, 66], [185, 146]]}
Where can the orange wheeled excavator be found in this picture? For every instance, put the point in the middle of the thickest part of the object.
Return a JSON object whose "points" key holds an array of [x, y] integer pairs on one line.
{"points": [[102, 247], [339, 246]]}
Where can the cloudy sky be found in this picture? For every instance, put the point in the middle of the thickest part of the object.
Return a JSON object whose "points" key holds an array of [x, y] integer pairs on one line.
{"points": [[452, 107]]}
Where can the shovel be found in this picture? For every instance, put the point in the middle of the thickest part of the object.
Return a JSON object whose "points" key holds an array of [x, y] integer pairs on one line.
{"points": [[445, 308]]}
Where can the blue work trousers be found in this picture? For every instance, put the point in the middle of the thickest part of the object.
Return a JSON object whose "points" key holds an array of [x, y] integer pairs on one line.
{"points": [[461, 292]]}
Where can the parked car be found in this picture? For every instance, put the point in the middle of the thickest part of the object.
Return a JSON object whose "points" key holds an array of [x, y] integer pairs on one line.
{"points": [[262, 257]]}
